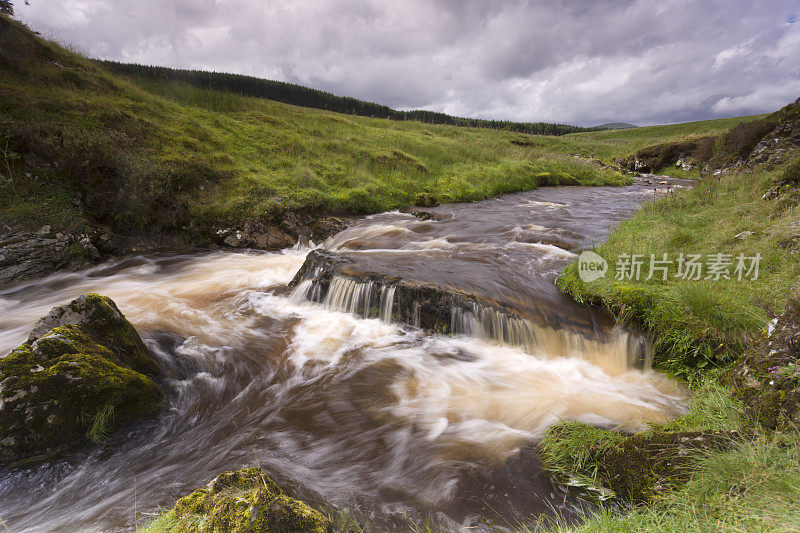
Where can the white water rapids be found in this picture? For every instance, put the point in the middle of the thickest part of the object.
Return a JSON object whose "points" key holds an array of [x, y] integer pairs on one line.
{"points": [[388, 421]]}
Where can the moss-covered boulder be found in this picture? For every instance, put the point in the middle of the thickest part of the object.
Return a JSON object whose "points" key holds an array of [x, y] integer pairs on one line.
{"points": [[83, 372], [242, 502], [632, 468]]}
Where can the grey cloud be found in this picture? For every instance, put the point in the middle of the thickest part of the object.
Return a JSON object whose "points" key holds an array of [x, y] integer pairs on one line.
{"points": [[573, 61]]}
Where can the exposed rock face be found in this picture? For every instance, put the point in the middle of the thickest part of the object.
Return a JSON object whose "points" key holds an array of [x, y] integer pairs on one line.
{"points": [[83, 372], [654, 158], [780, 143], [31, 255], [25, 255], [767, 377], [290, 229], [242, 502], [770, 141]]}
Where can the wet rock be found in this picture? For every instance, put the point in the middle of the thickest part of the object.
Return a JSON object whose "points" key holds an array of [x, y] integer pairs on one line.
{"points": [[32, 255], [282, 234], [25, 256], [324, 227], [242, 502], [427, 305], [83, 372], [236, 239], [426, 215]]}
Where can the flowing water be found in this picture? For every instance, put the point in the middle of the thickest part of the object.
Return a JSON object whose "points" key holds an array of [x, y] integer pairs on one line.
{"points": [[389, 422]]}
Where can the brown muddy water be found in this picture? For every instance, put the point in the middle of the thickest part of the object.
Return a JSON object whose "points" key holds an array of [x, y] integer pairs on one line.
{"points": [[395, 425]]}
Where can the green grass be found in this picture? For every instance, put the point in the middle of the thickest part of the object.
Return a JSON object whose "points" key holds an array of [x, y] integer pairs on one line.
{"points": [[102, 423], [135, 153], [168, 523], [610, 144], [678, 172], [711, 407], [754, 486], [168, 154], [700, 323]]}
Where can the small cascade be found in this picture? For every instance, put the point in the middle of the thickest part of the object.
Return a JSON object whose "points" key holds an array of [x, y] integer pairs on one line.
{"points": [[301, 292], [363, 298], [387, 302], [448, 311], [617, 353]]}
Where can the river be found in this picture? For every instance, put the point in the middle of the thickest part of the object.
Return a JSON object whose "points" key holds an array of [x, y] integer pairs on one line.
{"points": [[394, 424]]}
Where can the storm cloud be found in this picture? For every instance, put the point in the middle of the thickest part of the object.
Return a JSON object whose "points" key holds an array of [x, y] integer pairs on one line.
{"points": [[580, 62]]}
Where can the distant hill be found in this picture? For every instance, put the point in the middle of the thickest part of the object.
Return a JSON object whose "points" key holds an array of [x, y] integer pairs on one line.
{"points": [[616, 126], [290, 93]]}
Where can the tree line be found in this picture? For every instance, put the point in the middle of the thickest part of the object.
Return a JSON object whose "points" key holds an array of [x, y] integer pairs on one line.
{"points": [[291, 93]]}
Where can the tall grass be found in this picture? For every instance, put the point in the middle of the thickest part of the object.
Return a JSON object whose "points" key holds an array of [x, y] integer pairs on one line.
{"points": [[701, 323]]}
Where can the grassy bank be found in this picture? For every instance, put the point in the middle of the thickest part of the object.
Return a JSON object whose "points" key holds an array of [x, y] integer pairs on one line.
{"points": [[81, 144], [697, 323], [733, 461]]}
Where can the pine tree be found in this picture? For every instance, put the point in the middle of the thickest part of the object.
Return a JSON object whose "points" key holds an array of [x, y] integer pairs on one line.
{"points": [[6, 7]]}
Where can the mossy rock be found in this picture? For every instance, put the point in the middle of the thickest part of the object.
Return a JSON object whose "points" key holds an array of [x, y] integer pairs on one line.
{"points": [[633, 468], [648, 463], [77, 381], [425, 199], [242, 502], [103, 322]]}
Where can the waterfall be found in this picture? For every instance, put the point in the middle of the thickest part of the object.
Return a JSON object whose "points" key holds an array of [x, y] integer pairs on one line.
{"points": [[387, 302], [364, 298], [443, 310], [301, 292], [617, 353]]}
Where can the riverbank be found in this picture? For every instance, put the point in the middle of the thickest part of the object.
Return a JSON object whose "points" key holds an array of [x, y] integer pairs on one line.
{"points": [[731, 334]]}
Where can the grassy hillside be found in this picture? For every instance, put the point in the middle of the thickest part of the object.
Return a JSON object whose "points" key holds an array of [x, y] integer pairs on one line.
{"points": [[710, 321], [82, 144], [290, 93]]}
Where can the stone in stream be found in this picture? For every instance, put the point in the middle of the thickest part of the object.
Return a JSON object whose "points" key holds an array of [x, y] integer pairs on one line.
{"points": [[425, 305], [241, 502], [83, 372]]}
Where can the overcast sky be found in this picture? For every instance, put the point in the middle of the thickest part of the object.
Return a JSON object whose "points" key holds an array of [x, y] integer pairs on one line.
{"points": [[575, 61]]}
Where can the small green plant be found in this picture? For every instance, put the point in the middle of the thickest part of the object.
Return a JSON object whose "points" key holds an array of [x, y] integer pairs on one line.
{"points": [[101, 424]]}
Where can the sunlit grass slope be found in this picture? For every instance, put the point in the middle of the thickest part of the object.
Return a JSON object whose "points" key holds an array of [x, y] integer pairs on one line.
{"points": [[83, 144]]}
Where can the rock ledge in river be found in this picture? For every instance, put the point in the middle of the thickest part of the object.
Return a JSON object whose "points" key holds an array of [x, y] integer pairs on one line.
{"points": [[83, 372]]}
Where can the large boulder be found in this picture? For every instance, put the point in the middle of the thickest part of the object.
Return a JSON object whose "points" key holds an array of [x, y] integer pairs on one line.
{"points": [[242, 502], [83, 372]]}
